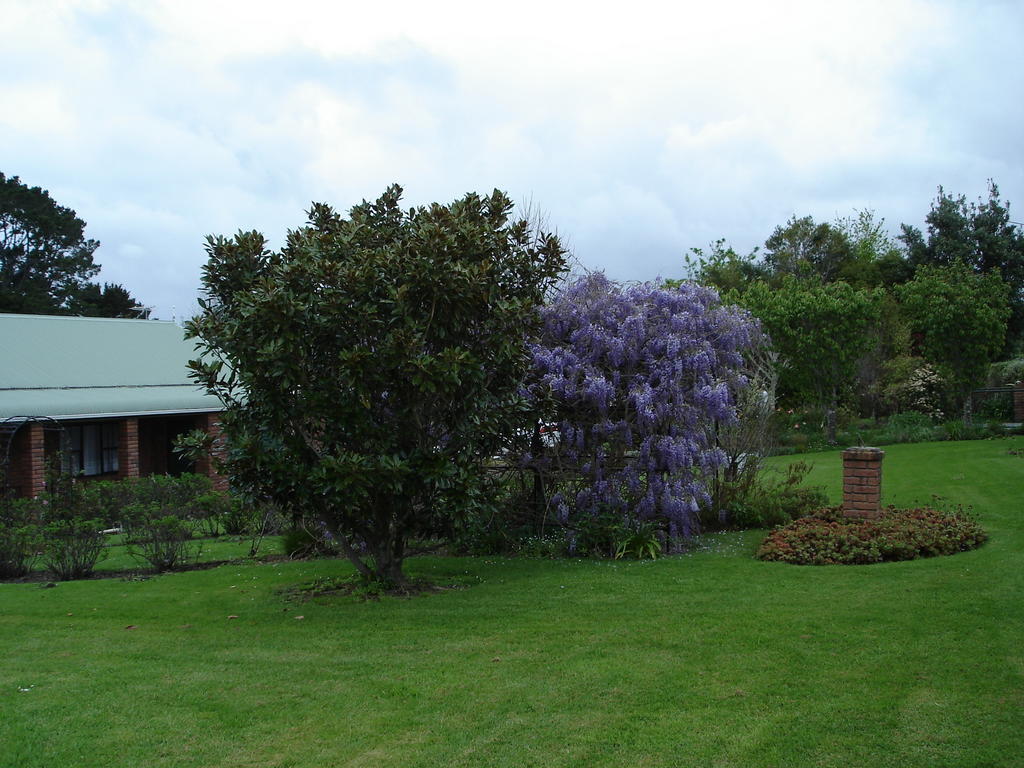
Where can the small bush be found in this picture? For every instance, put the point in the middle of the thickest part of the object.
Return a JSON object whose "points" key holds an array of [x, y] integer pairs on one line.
{"points": [[641, 541], [73, 546], [996, 407], [551, 544], [908, 427], [163, 540], [239, 517], [20, 537], [768, 501], [113, 500], [306, 539], [828, 538], [73, 538], [598, 536]]}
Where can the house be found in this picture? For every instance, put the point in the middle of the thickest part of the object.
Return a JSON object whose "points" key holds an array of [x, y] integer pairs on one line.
{"points": [[109, 395]]}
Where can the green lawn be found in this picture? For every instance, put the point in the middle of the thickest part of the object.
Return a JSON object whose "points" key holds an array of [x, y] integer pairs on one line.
{"points": [[707, 659]]}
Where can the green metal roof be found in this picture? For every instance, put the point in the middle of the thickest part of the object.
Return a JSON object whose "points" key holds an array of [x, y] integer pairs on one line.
{"points": [[68, 367]]}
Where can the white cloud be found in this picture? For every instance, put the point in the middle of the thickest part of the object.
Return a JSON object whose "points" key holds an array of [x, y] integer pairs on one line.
{"points": [[640, 131]]}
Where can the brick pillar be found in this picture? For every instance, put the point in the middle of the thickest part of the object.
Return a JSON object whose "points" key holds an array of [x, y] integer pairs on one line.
{"points": [[210, 423], [128, 448], [1018, 401], [27, 471], [862, 482]]}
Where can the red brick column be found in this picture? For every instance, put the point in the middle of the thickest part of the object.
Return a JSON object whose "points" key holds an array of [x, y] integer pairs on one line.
{"points": [[862, 482], [27, 471], [207, 465], [128, 448], [1018, 401]]}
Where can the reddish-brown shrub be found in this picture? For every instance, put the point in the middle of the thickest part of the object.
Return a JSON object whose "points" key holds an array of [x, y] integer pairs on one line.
{"points": [[826, 537]]}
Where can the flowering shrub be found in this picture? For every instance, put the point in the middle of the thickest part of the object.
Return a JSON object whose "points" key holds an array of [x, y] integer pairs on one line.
{"points": [[633, 374], [827, 538], [914, 385]]}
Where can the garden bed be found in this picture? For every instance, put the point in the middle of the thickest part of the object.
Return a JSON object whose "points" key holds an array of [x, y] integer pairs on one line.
{"points": [[826, 537]]}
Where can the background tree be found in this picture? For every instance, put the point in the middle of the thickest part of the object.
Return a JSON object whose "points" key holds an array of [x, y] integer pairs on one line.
{"points": [[960, 317], [981, 236], [807, 249], [854, 249], [722, 268], [46, 260], [111, 300], [821, 332], [876, 259], [371, 365]]}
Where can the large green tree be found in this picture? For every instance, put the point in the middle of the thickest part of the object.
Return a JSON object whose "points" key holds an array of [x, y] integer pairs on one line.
{"points": [[979, 235], [372, 365], [110, 300], [805, 248], [821, 332], [46, 260], [855, 250], [960, 318]]}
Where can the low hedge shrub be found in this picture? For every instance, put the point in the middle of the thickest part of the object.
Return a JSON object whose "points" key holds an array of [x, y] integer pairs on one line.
{"points": [[20, 537], [161, 538], [826, 537], [771, 499]]}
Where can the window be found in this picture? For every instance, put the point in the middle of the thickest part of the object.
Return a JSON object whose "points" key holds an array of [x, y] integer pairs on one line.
{"points": [[92, 449]]}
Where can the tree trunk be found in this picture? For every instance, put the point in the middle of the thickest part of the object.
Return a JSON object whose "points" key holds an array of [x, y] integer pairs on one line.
{"points": [[968, 414], [388, 553], [830, 418], [540, 502]]}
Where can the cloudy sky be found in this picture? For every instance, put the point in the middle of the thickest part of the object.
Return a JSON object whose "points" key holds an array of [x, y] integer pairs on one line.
{"points": [[640, 129]]}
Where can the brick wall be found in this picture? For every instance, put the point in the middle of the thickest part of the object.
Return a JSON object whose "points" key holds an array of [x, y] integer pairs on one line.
{"points": [[128, 448], [862, 482], [27, 471]]}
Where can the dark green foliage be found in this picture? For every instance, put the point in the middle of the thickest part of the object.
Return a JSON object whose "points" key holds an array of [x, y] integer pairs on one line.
{"points": [[908, 427], [979, 235], [769, 499], [73, 546], [186, 496], [641, 541], [73, 537], [229, 514], [828, 538], [161, 537], [1007, 372], [301, 541], [995, 406], [821, 331], [855, 250], [370, 367], [46, 260], [723, 268], [110, 300], [960, 318], [806, 249], [598, 536], [20, 538]]}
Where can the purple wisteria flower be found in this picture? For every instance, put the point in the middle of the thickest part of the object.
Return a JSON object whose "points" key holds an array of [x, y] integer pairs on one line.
{"points": [[635, 372]]}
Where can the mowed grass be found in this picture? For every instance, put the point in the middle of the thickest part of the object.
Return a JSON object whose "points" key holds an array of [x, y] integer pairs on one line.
{"points": [[706, 659]]}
